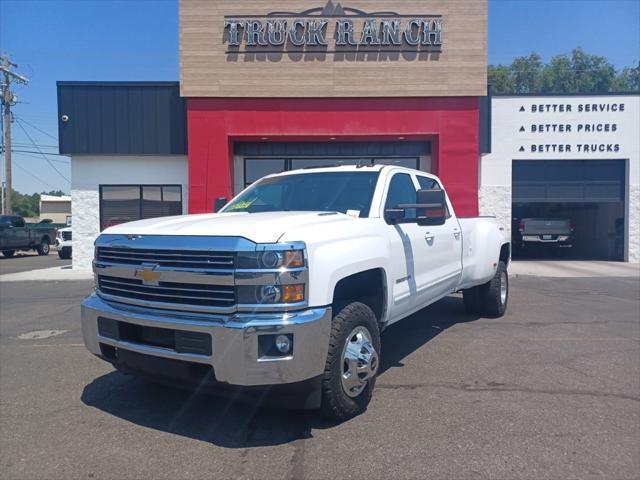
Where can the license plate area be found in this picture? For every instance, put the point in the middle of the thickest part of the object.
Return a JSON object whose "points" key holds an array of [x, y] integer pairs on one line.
{"points": [[547, 237]]}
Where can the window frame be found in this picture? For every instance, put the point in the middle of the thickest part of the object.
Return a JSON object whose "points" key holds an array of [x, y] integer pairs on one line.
{"points": [[140, 197]]}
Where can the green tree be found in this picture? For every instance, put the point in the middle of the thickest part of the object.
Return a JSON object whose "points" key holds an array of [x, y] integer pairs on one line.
{"points": [[558, 76], [628, 80], [500, 79], [577, 72], [27, 205], [526, 73]]}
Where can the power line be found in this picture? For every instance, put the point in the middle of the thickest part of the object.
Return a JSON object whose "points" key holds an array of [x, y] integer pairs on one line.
{"points": [[58, 160], [24, 144], [40, 152], [19, 122], [36, 128], [33, 176]]}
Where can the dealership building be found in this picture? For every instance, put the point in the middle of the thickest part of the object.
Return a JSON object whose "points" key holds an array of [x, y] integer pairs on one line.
{"points": [[273, 86]]}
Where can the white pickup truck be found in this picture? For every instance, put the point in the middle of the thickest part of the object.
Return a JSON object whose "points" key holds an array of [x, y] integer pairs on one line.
{"points": [[283, 294]]}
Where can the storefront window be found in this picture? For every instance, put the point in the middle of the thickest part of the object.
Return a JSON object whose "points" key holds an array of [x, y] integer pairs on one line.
{"points": [[126, 203], [256, 168]]}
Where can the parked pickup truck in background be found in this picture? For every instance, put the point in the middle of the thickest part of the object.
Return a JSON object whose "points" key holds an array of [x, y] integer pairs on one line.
{"points": [[63, 243], [557, 232], [15, 235], [284, 293]]}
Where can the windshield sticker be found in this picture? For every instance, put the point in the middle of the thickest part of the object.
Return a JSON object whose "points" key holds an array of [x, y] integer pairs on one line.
{"points": [[241, 205], [354, 213]]}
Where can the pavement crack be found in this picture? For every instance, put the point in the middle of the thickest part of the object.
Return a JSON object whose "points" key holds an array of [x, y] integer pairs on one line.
{"points": [[498, 387], [299, 445]]}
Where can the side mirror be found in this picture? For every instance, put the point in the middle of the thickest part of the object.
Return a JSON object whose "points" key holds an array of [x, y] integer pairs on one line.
{"points": [[219, 204], [394, 215], [432, 207]]}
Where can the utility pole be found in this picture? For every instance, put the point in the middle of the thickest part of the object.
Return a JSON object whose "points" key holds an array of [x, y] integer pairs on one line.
{"points": [[8, 99]]}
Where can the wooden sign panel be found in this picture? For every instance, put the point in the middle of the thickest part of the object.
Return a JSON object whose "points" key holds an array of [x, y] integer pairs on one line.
{"points": [[355, 48]]}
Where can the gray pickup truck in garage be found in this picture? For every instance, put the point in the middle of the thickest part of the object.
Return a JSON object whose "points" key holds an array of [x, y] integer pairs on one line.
{"points": [[16, 234], [556, 232]]}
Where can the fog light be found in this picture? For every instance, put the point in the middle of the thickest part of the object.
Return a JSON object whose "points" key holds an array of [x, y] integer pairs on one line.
{"points": [[283, 343]]}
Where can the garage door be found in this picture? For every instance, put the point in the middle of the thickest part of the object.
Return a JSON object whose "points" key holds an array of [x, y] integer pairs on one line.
{"points": [[586, 194], [568, 181]]}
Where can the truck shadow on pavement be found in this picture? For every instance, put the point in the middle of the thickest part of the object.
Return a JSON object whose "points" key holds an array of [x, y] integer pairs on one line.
{"points": [[231, 424]]}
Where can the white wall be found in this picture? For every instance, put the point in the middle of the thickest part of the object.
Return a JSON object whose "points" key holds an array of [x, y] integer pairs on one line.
{"points": [[507, 141], [88, 172]]}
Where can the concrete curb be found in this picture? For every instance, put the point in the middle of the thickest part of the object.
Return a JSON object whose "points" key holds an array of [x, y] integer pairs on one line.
{"points": [[65, 273]]}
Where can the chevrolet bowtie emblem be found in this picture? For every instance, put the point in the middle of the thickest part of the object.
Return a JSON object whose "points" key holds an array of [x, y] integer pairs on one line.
{"points": [[148, 276]]}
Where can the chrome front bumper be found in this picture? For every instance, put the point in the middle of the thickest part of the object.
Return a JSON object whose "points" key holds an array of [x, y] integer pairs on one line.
{"points": [[235, 357]]}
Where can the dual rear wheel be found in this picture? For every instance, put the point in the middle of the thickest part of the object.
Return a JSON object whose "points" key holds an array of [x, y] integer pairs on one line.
{"points": [[490, 298]]}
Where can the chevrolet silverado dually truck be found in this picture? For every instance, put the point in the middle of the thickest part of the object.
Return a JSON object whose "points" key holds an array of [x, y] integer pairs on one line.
{"points": [[284, 292]]}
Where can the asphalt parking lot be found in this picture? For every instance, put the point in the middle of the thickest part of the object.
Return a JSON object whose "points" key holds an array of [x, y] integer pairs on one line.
{"points": [[552, 390], [25, 261]]}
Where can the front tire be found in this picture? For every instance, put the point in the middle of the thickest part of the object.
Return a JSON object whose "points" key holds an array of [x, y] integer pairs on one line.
{"points": [[8, 253], [352, 362], [43, 248], [64, 253]]}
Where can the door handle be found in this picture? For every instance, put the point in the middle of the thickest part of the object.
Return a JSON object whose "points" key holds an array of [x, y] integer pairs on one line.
{"points": [[429, 237]]}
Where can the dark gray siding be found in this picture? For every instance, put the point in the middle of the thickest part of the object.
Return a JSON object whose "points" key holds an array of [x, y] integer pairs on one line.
{"points": [[339, 149], [124, 118], [485, 122]]}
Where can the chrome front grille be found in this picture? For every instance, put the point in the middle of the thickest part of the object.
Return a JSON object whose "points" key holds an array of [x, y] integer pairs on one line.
{"points": [[205, 260], [168, 292], [195, 274]]}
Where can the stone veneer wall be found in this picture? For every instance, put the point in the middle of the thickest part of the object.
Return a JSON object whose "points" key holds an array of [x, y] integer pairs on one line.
{"points": [[634, 223], [85, 211], [495, 201]]}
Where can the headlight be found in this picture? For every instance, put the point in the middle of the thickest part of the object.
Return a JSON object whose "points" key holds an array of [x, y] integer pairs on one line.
{"points": [[270, 294], [271, 259]]}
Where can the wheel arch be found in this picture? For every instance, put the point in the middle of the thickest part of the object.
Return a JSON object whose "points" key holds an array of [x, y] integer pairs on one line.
{"points": [[367, 286], [505, 253]]}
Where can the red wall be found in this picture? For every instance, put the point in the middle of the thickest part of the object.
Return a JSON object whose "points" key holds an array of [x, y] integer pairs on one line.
{"points": [[452, 124]]}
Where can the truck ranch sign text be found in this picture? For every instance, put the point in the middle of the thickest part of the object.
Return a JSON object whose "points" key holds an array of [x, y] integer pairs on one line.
{"points": [[299, 33]]}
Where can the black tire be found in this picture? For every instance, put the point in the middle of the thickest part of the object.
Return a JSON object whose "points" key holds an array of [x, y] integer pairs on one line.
{"points": [[64, 253], [494, 304], [336, 404], [472, 298], [43, 248], [8, 253]]}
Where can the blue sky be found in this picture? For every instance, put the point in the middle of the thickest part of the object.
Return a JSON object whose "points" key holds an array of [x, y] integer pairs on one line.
{"points": [[138, 40]]}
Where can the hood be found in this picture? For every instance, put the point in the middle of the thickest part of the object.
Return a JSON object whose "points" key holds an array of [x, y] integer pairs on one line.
{"points": [[265, 227]]}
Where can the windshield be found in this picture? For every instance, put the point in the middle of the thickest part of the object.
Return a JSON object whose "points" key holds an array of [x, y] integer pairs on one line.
{"points": [[324, 192]]}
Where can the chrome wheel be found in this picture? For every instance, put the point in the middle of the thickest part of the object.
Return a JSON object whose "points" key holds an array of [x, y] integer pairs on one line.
{"points": [[503, 288], [359, 361]]}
